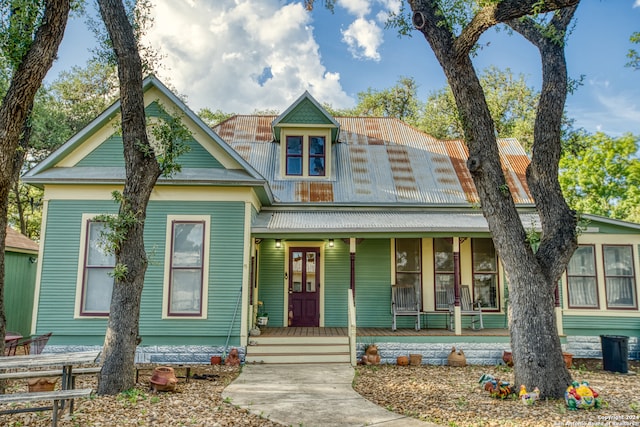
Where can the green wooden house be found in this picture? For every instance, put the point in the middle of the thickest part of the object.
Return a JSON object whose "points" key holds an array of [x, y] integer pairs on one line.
{"points": [[20, 263], [312, 222]]}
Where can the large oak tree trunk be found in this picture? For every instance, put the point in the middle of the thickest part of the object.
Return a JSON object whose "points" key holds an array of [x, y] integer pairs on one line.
{"points": [[14, 112], [142, 172], [532, 276]]}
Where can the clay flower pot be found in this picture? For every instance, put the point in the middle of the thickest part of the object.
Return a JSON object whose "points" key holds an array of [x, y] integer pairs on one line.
{"points": [[568, 359], [216, 360], [402, 360], [41, 384], [163, 379]]}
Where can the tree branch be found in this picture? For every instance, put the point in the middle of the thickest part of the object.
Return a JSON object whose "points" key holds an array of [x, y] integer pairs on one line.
{"points": [[502, 12]]}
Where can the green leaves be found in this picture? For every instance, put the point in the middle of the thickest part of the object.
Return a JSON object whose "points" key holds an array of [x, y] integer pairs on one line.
{"points": [[601, 175]]}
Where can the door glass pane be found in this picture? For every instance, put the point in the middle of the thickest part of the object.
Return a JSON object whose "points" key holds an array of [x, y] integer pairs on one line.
{"points": [[296, 271], [485, 273], [311, 272]]}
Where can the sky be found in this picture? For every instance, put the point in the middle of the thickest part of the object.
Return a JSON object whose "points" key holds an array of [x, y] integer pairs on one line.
{"points": [[239, 56]]}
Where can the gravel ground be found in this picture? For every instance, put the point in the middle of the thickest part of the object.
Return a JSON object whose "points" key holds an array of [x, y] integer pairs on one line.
{"points": [[439, 394], [197, 403], [453, 397]]}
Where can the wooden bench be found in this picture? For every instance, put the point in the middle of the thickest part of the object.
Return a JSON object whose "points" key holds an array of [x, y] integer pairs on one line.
{"points": [[405, 302], [55, 396], [49, 373]]}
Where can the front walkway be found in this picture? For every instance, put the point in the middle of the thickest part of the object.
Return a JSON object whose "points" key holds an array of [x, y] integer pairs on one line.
{"points": [[309, 395]]}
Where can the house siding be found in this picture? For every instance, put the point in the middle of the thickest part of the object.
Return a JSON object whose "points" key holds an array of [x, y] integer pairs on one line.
{"points": [[337, 279], [271, 281], [62, 245], [373, 284], [20, 279]]}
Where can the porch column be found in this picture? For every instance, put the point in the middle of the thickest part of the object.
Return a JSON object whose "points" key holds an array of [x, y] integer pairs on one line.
{"points": [[352, 257], [457, 317], [558, 311]]}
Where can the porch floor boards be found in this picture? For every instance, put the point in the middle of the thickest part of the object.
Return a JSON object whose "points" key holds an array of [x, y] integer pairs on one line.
{"points": [[365, 332]]}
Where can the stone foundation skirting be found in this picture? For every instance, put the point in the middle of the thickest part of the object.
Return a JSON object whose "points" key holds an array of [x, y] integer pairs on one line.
{"points": [[176, 354], [486, 353]]}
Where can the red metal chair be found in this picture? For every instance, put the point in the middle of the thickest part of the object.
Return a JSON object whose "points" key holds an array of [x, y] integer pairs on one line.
{"points": [[11, 346]]}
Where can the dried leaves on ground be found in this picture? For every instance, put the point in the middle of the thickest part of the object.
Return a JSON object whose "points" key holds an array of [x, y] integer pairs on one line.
{"points": [[453, 396], [444, 395], [197, 403]]}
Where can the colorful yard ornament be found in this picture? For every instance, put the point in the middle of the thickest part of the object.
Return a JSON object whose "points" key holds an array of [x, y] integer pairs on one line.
{"points": [[495, 386], [581, 396], [529, 398]]}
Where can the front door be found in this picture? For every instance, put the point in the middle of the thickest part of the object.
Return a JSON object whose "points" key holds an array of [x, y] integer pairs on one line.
{"points": [[304, 287]]}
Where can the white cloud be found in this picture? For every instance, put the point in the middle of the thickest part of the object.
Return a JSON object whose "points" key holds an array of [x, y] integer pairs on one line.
{"points": [[241, 55], [359, 8], [637, 3], [363, 38]]}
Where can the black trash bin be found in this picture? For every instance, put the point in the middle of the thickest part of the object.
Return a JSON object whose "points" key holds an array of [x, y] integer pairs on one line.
{"points": [[615, 353]]}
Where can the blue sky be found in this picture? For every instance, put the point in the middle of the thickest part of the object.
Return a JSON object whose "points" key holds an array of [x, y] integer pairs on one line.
{"points": [[242, 55]]}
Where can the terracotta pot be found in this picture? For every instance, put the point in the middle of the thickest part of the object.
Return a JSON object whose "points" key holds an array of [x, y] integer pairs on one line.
{"points": [[508, 358], [216, 360], [568, 359], [163, 379], [402, 360], [42, 384]]}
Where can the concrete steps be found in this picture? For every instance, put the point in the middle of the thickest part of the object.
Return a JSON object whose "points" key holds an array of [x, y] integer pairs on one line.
{"points": [[281, 349]]}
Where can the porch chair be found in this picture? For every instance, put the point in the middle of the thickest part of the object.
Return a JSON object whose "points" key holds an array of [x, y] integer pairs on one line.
{"points": [[35, 345], [467, 307], [405, 302], [11, 346]]}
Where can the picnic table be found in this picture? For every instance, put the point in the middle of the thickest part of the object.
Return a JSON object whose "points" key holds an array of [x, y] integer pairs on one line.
{"points": [[31, 366]]}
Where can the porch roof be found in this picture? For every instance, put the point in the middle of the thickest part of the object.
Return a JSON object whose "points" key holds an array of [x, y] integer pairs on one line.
{"points": [[380, 221]]}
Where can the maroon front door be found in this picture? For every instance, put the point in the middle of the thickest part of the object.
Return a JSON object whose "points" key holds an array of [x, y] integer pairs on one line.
{"points": [[304, 287]]}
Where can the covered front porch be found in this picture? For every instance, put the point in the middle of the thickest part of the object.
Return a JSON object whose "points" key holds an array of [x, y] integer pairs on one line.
{"points": [[363, 333]]}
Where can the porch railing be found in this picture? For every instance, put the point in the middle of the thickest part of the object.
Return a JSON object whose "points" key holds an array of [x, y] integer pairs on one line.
{"points": [[351, 314]]}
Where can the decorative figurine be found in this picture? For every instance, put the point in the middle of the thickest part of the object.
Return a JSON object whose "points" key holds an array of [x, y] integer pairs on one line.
{"points": [[371, 355], [529, 398], [495, 386], [581, 396]]}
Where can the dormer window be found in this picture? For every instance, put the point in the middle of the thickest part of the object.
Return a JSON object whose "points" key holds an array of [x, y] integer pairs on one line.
{"points": [[306, 152], [305, 132]]}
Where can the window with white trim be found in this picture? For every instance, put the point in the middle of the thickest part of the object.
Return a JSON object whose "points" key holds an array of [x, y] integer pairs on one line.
{"points": [[619, 276], [409, 264], [97, 280], [582, 282], [306, 153], [444, 270], [186, 266], [485, 273]]}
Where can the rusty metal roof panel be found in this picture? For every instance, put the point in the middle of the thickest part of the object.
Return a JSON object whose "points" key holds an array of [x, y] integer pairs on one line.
{"points": [[378, 160]]}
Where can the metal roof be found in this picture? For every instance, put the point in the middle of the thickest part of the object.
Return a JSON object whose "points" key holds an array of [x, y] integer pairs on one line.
{"points": [[378, 160], [380, 221]]}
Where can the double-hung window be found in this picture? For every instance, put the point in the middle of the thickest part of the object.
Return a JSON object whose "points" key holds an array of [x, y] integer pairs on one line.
{"points": [[97, 280], [485, 272], [582, 284], [619, 276], [306, 153], [409, 264], [444, 270], [186, 267]]}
